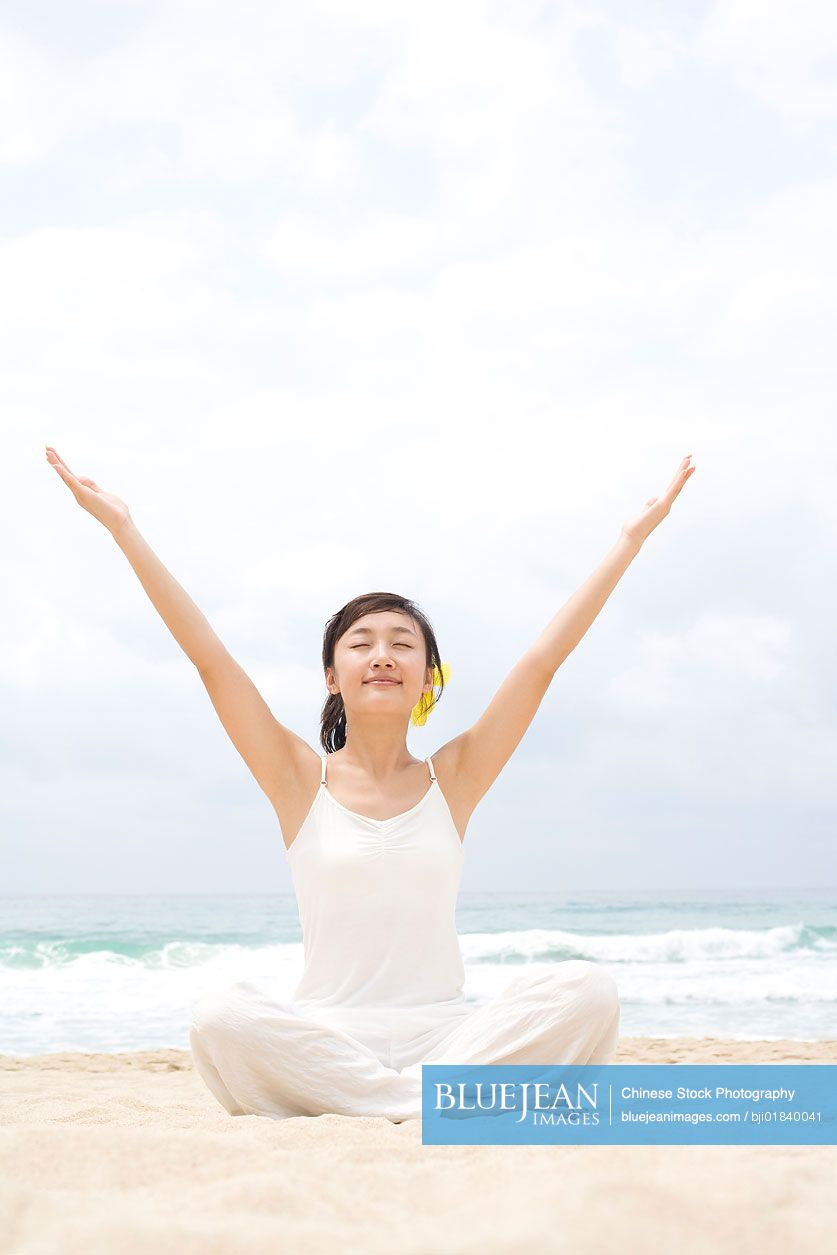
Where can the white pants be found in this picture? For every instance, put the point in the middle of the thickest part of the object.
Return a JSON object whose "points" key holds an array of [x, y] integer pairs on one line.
{"points": [[261, 1056]]}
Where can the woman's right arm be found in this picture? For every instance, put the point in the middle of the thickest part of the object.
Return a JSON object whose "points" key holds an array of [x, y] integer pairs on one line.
{"points": [[271, 751]]}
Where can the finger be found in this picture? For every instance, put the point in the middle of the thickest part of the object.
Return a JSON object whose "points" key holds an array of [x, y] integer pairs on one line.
{"points": [[90, 483], [683, 472], [67, 476], [679, 481], [55, 460], [59, 460], [68, 479], [76, 487]]}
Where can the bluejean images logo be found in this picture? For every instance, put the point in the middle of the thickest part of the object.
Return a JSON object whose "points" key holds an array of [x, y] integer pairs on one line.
{"points": [[550, 1103], [630, 1104]]}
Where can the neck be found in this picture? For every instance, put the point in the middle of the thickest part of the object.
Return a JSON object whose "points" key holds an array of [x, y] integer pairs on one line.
{"points": [[378, 750]]}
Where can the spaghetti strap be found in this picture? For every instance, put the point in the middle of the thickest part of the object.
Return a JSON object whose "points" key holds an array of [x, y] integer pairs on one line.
{"points": [[429, 762], [322, 773]]}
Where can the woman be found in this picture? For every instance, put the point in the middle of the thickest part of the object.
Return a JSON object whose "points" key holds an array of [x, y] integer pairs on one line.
{"points": [[374, 843]]}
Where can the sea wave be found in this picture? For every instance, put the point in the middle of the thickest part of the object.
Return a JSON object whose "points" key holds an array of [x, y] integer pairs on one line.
{"points": [[674, 945], [535, 945]]}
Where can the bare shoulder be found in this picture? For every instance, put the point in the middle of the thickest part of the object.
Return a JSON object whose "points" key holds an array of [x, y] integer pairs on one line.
{"points": [[296, 789], [295, 792], [462, 793]]}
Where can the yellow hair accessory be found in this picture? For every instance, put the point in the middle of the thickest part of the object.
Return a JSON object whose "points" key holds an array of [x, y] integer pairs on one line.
{"points": [[427, 701]]}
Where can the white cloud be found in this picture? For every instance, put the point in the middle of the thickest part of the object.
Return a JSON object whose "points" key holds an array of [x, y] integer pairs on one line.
{"points": [[644, 57], [31, 97], [225, 89], [726, 650], [321, 254], [781, 54], [246, 261]]}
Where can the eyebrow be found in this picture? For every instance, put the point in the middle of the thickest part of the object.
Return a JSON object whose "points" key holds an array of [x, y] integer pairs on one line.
{"points": [[358, 631]]}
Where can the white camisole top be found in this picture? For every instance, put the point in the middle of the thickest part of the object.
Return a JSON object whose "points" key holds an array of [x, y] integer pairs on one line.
{"points": [[377, 902]]}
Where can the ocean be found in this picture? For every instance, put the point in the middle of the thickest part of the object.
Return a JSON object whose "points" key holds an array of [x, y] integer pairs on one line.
{"points": [[117, 973]]}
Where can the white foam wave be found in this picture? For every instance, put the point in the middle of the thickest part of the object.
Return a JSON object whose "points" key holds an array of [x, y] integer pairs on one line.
{"points": [[675, 945]]}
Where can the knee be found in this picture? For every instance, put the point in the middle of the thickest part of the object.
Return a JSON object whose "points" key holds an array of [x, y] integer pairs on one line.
{"points": [[606, 990], [205, 1012], [214, 1011], [598, 984]]}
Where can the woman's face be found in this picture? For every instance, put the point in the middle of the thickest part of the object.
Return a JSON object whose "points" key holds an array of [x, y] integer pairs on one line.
{"points": [[386, 645]]}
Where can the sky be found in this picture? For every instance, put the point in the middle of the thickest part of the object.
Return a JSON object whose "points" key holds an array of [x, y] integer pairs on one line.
{"points": [[342, 297]]}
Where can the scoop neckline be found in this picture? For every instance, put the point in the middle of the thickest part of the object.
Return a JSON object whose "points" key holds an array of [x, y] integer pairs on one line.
{"points": [[380, 824], [368, 818]]}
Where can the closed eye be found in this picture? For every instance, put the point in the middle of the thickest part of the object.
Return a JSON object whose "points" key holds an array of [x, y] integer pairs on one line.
{"points": [[403, 645]]}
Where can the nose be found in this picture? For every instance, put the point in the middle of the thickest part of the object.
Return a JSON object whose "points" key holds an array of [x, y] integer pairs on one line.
{"points": [[382, 659], [382, 665]]}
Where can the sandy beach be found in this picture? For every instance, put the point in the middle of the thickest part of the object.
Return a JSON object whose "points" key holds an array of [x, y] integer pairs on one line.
{"points": [[130, 1153]]}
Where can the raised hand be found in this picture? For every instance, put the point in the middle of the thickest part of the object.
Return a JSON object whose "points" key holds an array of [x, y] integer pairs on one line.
{"points": [[109, 510], [656, 508]]}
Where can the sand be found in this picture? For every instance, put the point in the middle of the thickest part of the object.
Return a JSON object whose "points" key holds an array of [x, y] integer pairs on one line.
{"points": [[131, 1153]]}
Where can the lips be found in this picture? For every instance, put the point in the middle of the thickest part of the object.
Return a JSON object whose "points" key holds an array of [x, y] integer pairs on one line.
{"points": [[381, 681]]}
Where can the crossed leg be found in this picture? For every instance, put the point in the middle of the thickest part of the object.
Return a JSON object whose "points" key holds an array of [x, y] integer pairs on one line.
{"points": [[261, 1056], [568, 1014]]}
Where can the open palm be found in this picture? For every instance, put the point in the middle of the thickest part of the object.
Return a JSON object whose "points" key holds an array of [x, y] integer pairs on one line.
{"points": [[102, 505], [656, 508]]}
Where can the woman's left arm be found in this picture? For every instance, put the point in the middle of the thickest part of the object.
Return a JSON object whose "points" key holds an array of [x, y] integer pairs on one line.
{"points": [[561, 635], [478, 755]]}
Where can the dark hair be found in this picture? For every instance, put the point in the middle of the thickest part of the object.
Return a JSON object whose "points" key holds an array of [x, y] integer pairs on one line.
{"points": [[333, 715]]}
